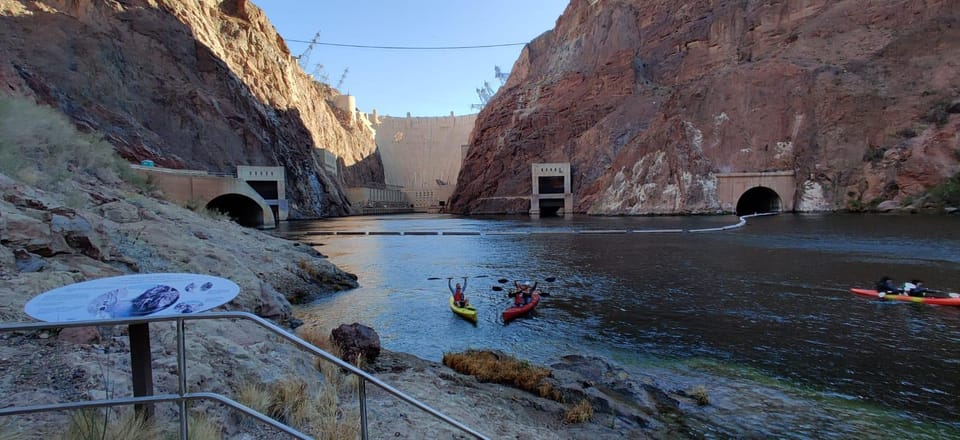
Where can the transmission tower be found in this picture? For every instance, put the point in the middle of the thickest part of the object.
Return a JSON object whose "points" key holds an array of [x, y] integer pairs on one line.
{"points": [[304, 58], [501, 75]]}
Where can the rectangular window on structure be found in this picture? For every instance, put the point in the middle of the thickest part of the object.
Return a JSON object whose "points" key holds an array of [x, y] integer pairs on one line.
{"points": [[550, 184], [266, 188]]}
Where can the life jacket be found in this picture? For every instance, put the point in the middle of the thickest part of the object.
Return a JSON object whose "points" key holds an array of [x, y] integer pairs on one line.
{"points": [[458, 296]]}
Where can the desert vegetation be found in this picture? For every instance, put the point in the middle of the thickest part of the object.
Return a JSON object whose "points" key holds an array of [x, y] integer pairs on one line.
{"points": [[39, 146]]}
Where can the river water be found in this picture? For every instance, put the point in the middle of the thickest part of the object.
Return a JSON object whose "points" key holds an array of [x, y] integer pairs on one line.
{"points": [[770, 296]]}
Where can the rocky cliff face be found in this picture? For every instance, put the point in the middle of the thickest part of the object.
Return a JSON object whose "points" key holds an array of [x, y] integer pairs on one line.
{"points": [[649, 100], [188, 84]]}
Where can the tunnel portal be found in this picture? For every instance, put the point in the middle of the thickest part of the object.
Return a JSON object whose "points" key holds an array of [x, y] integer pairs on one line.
{"points": [[759, 199], [240, 208]]}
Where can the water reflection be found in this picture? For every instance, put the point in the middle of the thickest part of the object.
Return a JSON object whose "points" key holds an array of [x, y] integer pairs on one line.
{"points": [[771, 295]]}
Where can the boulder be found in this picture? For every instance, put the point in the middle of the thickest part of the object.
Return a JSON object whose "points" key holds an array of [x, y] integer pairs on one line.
{"points": [[80, 335], [356, 340], [27, 262]]}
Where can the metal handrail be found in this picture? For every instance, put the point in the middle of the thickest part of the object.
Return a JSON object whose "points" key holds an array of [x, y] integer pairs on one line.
{"points": [[183, 396]]}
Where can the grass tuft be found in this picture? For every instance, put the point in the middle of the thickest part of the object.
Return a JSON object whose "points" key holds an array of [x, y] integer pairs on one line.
{"points": [[200, 428], [700, 395], [488, 366], [88, 424], [290, 402], [319, 413], [579, 413], [256, 396]]}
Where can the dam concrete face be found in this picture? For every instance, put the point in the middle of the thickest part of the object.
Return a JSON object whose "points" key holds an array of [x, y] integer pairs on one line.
{"points": [[423, 155]]}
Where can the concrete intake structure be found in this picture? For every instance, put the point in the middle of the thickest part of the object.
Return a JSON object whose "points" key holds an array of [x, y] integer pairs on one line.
{"points": [[551, 190], [224, 193], [751, 193]]}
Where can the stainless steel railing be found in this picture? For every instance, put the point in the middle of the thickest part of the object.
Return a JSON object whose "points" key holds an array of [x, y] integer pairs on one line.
{"points": [[183, 395]]}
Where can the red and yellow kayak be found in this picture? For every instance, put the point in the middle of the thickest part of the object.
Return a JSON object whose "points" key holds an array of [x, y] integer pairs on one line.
{"points": [[469, 312], [917, 299], [517, 311]]}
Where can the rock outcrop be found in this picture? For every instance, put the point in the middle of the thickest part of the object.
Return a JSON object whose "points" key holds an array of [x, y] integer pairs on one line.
{"points": [[649, 100], [188, 84]]}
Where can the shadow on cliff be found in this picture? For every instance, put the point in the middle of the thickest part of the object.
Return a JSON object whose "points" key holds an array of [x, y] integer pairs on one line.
{"points": [[143, 80]]}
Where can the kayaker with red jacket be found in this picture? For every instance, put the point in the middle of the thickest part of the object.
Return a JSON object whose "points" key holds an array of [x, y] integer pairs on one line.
{"points": [[459, 299], [524, 292]]}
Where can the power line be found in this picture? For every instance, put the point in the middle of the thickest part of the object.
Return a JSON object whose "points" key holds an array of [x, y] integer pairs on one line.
{"points": [[362, 46]]}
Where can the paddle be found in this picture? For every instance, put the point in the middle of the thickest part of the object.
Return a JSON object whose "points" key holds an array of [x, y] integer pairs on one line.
{"points": [[948, 294], [450, 278], [504, 280]]}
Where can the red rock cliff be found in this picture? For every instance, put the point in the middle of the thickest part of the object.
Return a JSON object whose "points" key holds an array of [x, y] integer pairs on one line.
{"points": [[189, 84], [649, 100]]}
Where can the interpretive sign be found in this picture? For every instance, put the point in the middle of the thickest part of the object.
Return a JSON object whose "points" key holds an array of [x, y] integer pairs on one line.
{"points": [[127, 296]]}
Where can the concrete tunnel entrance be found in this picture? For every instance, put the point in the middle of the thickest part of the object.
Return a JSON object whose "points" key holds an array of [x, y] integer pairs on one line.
{"points": [[759, 199], [551, 207], [240, 208]]}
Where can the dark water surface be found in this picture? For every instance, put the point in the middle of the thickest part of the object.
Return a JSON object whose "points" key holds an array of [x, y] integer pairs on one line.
{"points": [[770, 296]]}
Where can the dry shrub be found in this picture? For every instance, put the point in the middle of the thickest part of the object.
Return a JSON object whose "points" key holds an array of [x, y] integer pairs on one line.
{"points": [[488, 366], [308, 268], [88, 424], [200, 428], [41, 147], [321, 340], [579, 413], [290, 402], [700, 395], [256, 396]]}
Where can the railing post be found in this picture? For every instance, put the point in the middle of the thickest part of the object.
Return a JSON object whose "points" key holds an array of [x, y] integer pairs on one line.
{"points": [[362, 391], [141, 365], [182, 379]]}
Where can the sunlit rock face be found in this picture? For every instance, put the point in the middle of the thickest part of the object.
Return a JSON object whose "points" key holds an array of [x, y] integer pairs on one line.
{"points": [[188, 84], [649, 100]]}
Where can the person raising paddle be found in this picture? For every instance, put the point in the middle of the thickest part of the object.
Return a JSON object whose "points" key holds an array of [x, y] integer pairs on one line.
{"points": [[524, 292], [459, 299]]}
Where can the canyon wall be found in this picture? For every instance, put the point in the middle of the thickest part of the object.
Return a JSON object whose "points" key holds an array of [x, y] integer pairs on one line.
{"points": [[650, 100], [194, 84]]}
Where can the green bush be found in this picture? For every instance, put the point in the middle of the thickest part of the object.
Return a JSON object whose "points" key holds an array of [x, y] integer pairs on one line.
{"points": [[41, 147], [938, 114], [946, 194], [874, 154]]}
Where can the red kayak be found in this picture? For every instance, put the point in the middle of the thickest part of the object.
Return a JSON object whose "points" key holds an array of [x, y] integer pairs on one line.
{"points": [[951, 301], [517, 311]]}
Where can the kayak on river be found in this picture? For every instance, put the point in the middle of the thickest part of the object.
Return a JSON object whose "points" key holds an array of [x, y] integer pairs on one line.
{"points": [[952, 299], [517, 311], [467, 312]]}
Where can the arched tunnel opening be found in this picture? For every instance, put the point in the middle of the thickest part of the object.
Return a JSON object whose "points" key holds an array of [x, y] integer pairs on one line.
{"points": [[241, 209], [550, 207], [759, 199]]}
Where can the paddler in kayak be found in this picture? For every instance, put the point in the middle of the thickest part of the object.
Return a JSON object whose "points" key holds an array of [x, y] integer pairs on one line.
{"points": [[524, 292], [459, 299], [886, 285], [914, 288]]}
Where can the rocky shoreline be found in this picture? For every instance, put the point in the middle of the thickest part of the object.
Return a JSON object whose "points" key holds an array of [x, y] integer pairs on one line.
{"points": [[117, 229]]}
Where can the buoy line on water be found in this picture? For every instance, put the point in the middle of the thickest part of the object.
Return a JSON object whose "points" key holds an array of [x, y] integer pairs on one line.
{"points": [[741, 223]]}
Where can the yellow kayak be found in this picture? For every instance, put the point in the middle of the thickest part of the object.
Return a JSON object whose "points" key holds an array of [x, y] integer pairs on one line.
{"points": [[469, 312]]}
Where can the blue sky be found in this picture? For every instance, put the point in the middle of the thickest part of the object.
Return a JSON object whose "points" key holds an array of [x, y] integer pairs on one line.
{"points": [[422, 82]]}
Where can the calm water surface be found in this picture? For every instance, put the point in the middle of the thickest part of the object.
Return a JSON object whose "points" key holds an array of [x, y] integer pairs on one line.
{"points": [[771, 295]]}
